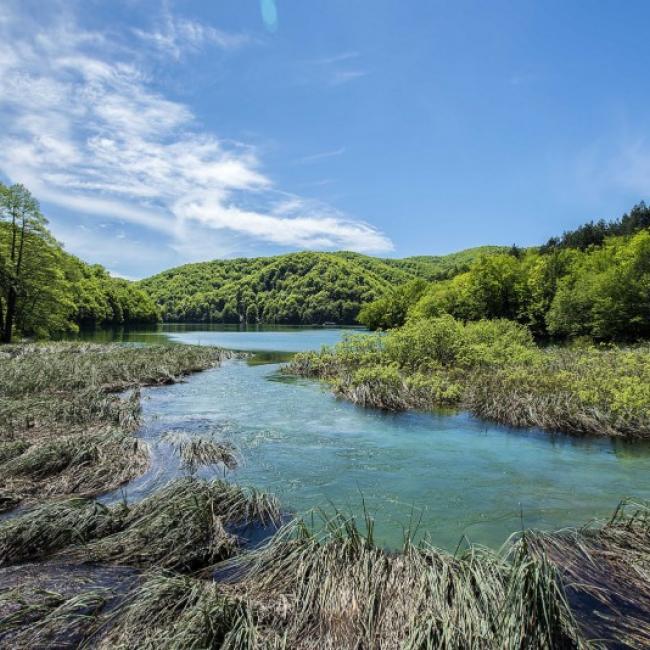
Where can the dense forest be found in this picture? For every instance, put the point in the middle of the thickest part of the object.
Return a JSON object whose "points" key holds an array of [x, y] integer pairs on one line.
{"points": [[45, 290], [308, 288], [594, 281]]}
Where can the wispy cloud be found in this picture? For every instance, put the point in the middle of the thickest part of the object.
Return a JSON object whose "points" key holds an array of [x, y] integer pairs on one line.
{"points": [[615, 163], [174, 36], [336, 58], [345, 76], [85, 129], [338, 69], [322, 155]]}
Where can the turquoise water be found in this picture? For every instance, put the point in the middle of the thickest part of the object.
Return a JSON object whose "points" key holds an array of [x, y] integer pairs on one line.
{"points": [[459, 477]]}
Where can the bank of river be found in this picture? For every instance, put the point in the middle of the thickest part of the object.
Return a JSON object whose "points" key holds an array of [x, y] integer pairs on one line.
{"points": [[452, 474]]}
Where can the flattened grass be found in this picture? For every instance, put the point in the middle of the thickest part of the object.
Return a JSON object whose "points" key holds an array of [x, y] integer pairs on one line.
{"points": [[170, 611], [67, 412], [197, 451], [184, 526]]}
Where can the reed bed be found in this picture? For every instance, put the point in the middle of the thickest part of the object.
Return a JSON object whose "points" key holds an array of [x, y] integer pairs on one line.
{"points": [[54, 605], [337, 589], [334, 589], [185, 526], [197, 451], [54, 622], [67, 412], [491, 370], [170, 611], [50, 527], [331, 587], [82, 465]]}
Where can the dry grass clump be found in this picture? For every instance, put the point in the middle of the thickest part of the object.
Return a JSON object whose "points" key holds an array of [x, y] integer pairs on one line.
{"points": [[11, 448], [51, 527], [606, 572], [338, 590], [83, 465], [170, 611], [54, 621], [63, 427], [184, 526], [196, 451], [55, 605]]}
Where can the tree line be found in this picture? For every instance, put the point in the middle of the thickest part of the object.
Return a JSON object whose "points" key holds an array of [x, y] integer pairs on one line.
{"points": [[590, 282], [46, 291]]}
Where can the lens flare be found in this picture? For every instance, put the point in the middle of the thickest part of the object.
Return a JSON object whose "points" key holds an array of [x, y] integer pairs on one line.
{"points": [[269, 14]]}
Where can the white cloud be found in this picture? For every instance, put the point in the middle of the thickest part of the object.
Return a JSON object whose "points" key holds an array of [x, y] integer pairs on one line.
{"points": [[174, 36], [85, 130]]}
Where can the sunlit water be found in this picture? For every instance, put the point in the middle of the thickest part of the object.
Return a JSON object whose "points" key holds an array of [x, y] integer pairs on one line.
{"points": [[457, 477]]}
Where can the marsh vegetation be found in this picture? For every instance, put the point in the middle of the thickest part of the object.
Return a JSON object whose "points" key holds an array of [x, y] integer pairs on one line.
{"points": [[179, 568], [68, 413], [495, 370]]}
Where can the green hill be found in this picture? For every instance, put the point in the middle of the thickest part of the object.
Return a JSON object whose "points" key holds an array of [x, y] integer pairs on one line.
{"points": [[294, 288]]}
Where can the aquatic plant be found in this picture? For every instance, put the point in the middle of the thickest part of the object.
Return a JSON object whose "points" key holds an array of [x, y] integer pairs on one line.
{"points": [[67, 411], [332, 587], [51, 621], [184, 526], [51, 527], [494, 370], [169, 611], [606, 572], [84, 465], [196, 451]]}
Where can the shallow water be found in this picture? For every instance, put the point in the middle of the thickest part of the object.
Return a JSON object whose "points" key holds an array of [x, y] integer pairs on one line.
{"points": [[456, 476]]}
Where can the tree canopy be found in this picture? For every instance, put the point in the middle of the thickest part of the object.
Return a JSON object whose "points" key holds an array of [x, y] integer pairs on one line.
{"points": [[43, 289], [307, 288]]}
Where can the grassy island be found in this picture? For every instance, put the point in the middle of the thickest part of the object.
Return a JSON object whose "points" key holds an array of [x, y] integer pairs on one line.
{"points": [[495, 370]]}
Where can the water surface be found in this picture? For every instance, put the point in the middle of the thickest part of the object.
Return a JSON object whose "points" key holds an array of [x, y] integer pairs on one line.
{"points": [[459, 477]]}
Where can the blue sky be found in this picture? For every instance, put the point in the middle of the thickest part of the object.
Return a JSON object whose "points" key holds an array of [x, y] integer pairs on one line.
{"points": [[158, 133]]}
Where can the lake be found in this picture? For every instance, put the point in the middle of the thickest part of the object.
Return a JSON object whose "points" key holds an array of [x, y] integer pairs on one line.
{"points": [[454, 477]]}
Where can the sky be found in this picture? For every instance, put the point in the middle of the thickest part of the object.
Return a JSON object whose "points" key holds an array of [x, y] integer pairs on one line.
{"points": [[160, 133]]}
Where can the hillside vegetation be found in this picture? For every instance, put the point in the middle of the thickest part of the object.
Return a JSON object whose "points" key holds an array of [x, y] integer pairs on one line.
{"points": [[295, 288], [46, 291], [593, 282]]}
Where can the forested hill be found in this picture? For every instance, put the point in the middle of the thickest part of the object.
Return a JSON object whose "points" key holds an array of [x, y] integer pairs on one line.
{"points": [[294, 288]]}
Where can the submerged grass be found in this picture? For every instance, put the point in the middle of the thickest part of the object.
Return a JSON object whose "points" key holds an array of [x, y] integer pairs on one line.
{"points": [[186, 525], [195, 451]]}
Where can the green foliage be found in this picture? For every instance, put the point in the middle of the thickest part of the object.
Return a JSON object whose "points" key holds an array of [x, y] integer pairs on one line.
{"points": [[392, 308], [292, 289], [494, 369], [603, 293], [606, 294], [44, 290]]}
